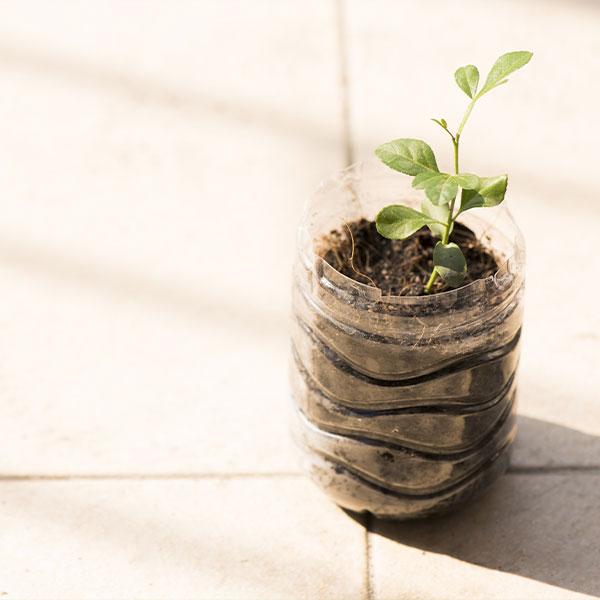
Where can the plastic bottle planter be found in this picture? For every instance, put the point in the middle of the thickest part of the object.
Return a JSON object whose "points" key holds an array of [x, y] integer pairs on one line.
{"points": [[405, 405]]}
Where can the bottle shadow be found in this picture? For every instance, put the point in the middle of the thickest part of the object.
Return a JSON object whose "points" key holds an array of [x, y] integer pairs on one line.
{"points": [[541, 520]]}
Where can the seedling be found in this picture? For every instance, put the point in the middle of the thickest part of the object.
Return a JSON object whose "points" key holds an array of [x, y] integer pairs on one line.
{"points": [[439, 209]]}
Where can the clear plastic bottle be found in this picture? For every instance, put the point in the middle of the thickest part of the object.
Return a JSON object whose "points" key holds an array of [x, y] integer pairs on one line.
{"points": [[405, 406]]}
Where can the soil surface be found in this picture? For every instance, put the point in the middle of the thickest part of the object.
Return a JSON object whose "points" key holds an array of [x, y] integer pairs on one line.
{"points": [[400, 267]]}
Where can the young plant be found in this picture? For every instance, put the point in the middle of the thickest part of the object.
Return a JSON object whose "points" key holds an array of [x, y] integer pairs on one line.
{"points": [[439, 209]]}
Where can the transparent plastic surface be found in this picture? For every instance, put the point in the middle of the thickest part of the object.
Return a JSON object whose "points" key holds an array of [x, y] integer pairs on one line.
{"points": [[405, 406]]}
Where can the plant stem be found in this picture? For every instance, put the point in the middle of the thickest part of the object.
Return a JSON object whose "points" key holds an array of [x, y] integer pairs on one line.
{"points": [[431, 281], [455, 144], [450, 222], [465, 117]]}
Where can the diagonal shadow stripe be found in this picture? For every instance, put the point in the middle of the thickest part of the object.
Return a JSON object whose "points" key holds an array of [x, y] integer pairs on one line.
{"points": [[193, 103], [128, 285]]}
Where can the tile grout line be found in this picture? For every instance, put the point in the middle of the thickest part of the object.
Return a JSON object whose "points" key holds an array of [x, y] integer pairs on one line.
{"points": [[516, 470], [145, 476], [342, 44], [368, 558], [553, 469]]}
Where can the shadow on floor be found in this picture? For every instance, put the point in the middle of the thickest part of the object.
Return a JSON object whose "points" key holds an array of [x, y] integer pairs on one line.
{"points": [[109, 280], [25, 57], [540, 522]]}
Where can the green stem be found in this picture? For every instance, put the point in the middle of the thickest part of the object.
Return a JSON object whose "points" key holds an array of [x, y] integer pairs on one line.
{"points": [[446, 236], [466, 117], [431, 281], [455, 141]]}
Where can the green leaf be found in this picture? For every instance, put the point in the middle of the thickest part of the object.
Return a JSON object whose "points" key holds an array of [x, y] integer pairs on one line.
{"points": [[428, 178], [503, 67], [444, 193], [407, 156], [439, 187], [490, 193], [467, 181], [442, 123], [397, 222], [439, 213], [450, 263], [467, 79]]}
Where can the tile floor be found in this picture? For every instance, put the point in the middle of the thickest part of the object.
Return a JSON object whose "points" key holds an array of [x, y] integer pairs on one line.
{"points": [[154, 158]]}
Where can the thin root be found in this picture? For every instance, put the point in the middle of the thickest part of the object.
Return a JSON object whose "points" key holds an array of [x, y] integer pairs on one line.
{"points": [[351, 259]]}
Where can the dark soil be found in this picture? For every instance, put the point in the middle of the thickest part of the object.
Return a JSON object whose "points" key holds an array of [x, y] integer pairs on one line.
{"points": [[400, 267]]}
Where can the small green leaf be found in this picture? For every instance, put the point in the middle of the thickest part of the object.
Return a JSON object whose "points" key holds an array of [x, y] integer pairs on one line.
{"points": [[503, 67], [447, 192], [467, 79], [423, 180], [397, 222], [450, 263], [439, 213], [407, 156], [467, 181], [431, 182], [439, 187], [442, 123], [490, 193]]}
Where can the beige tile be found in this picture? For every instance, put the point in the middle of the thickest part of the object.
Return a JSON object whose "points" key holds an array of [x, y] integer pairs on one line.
{"points": [[97, 382], [154, 165], [559, 375], [401, 63], [245, 539], [533, 537]]}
